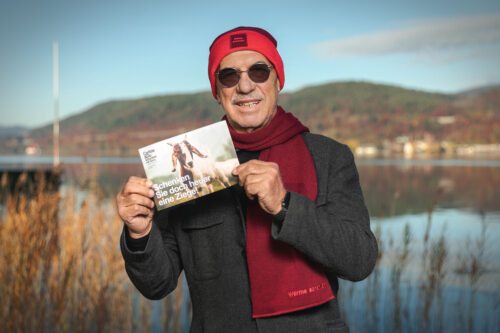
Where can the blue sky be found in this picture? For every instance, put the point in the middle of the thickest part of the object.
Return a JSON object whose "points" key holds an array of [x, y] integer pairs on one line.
{"points": [[121, 49]]}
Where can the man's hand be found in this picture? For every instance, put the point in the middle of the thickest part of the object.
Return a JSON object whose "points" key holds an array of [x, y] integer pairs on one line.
{"points": [[262, 180], [135, 206]]}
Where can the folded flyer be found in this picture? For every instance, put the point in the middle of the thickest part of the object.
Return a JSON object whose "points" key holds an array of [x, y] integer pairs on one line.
{"points": [[190, 165]]}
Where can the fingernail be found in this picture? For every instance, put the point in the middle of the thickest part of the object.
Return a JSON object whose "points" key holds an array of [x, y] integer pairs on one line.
{"points": [[149, 183], [151, 193]]}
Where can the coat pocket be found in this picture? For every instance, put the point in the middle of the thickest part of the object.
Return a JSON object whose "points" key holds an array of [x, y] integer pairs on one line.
{"points": [[207, 247]]}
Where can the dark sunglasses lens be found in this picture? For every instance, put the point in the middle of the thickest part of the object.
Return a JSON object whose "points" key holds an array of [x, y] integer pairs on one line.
{"points": [[229, 77], [259, 73]]}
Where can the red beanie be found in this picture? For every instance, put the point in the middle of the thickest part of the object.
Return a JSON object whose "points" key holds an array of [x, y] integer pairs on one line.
{"points": [[244, 38]]}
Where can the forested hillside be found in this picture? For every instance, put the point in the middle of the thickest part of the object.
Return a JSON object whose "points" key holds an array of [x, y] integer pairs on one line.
{"points": [[359, 112]]}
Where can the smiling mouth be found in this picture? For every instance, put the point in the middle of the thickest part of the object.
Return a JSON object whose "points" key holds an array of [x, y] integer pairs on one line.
{"points": [[248, 104]]}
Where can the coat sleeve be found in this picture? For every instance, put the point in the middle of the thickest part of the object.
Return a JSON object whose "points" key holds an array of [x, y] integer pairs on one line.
{"points": [[154, 271], [335, 230]]}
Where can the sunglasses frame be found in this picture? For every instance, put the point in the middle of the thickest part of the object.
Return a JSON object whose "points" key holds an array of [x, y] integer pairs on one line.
{"points": [[239, 71]]}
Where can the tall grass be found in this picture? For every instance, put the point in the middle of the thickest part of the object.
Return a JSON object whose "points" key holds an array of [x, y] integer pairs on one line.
{"points": [[61, 268]]}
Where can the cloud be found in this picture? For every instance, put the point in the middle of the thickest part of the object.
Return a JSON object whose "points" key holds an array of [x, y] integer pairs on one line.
{"points": [[460, 34]]}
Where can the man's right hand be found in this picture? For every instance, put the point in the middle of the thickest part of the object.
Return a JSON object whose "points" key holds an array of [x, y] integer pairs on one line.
{"points": [[135, 206]]}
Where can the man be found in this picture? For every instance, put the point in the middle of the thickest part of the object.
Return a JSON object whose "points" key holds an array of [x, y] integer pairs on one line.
{"points": [[263, 256]]}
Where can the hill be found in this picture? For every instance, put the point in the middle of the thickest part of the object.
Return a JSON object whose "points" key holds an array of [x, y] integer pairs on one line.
{"points": [[13, 132], [358, 112]]}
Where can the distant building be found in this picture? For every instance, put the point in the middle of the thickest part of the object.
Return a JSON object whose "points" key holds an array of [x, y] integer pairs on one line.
{"points": [[367, 150], [32, 149], [479, 149], [445, 120]]}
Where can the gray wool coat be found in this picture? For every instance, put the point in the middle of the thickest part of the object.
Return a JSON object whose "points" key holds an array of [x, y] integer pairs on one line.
{"points": [[206, 239]]}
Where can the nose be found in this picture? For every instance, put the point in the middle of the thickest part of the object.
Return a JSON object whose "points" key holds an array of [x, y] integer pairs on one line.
{"points": [[245, 85]]}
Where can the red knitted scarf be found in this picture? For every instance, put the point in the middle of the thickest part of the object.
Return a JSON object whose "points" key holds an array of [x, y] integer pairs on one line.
{"points": [[282, 280]]}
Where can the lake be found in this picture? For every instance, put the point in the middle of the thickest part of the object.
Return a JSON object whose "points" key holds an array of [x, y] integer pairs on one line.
{"points": [[438, 226]]}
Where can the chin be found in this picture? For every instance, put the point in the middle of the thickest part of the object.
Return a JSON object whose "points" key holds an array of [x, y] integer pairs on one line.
{"points": [[247, 126], [250, 123]]}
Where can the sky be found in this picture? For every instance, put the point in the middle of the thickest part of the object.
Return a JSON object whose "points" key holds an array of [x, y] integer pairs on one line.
{"points": [[122, 49]]}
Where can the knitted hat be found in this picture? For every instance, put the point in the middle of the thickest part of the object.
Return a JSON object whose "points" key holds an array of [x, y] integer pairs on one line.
{"points": [[244, 38]]}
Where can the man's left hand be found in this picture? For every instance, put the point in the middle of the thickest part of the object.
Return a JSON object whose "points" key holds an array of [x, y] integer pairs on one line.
{"points": [[262, 181]]}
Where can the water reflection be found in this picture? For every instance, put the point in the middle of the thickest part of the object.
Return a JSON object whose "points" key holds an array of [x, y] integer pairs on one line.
{"points": [[404, 188]]}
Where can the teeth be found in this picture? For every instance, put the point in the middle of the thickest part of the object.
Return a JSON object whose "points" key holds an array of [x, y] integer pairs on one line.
{"points": [[248, 104]]}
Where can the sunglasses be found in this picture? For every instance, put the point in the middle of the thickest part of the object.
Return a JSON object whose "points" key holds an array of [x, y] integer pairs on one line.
{"points": [[258, 73]]}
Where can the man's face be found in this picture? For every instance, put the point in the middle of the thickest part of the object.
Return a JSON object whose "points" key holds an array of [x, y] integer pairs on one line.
{"points": [[248, 105]]}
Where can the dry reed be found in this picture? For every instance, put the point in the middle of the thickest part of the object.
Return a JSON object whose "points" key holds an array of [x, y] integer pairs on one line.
{"points": [[60, 266]]}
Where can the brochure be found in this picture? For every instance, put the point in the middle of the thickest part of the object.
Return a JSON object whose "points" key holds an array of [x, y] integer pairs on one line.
{"points": [[190, 165]]}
